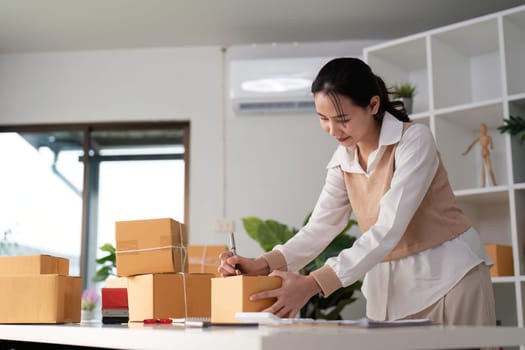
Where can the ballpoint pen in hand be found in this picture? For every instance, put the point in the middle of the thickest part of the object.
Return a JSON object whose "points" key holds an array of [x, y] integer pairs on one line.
{"points": [[233, 250]]}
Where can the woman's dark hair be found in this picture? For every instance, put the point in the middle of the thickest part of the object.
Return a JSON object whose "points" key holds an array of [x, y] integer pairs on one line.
{"points": [[353, 78]]}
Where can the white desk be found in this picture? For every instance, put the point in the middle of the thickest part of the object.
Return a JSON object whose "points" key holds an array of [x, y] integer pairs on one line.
{"points": [[139, 336]]}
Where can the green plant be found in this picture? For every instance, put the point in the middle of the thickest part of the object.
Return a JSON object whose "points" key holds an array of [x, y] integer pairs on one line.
{"points": [[406, 90], [269, 233], [108, 263], [514, 126]]}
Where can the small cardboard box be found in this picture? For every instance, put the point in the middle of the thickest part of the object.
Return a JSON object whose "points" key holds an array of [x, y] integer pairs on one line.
{"points": [[162, 296], [33, 265], [501, 255], [150, 246], [231, 294], [205, 258], [40, 299]]}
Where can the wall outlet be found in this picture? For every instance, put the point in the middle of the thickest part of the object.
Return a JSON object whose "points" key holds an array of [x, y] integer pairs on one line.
{"points": [[224, 226]]}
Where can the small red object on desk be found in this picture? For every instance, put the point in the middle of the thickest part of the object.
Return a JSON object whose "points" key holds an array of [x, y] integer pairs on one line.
{"points": [[157, 320]]}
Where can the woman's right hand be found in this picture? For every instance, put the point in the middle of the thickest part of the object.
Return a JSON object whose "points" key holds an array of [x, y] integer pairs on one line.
{"points": [[232, 265]]}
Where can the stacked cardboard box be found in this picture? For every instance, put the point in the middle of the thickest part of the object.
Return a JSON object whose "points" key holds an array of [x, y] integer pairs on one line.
{"points": [[37, 289], [152, 254], [205, 258]]}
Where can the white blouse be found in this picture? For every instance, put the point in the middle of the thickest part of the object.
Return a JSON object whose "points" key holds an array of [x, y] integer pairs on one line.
{"points": [[397, 288]]}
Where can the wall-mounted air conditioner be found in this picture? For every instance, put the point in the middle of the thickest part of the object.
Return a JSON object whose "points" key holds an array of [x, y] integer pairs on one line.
{"points": [[273, 84]]}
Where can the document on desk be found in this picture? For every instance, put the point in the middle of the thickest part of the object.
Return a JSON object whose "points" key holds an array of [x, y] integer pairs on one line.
{"points": [[368, 323]]}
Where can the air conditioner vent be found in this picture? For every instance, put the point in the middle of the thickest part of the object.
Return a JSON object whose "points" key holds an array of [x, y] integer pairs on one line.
{"points": [[273, 85]]}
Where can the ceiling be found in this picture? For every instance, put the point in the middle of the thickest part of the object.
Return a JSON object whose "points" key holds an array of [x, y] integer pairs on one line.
{"points": [[58, 25]]}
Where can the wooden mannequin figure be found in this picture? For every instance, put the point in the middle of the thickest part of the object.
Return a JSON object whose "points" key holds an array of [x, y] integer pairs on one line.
{"points": [[485, 142]]}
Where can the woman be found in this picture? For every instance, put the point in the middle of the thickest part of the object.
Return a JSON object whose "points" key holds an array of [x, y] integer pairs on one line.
{"points": [[418, 253]]}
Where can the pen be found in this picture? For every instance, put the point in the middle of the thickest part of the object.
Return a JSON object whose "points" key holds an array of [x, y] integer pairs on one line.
{"points": [[233, 250]]}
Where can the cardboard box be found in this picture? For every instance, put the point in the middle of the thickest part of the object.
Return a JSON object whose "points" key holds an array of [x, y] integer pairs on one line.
{"points": [[151, 246], [205, 258], [116, 282], [40, 299], [501, 255], [33, 265], [162, 296], [231, 294]]}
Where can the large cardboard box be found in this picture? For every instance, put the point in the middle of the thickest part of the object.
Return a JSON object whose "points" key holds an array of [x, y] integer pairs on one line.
{"points": [[162, 296], [205, 258], [231, 294], [502, 257], [150, 246], [40, 299], [33, 265]]}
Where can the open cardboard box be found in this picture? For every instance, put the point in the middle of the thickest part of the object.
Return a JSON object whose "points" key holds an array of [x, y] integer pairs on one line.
{"points": [[150, 246], [231, 294]]}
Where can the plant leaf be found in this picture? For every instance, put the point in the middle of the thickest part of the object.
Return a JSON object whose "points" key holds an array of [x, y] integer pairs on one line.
{"points": [[108, 247]]}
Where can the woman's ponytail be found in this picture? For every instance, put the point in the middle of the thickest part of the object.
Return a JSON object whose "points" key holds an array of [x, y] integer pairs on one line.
{"points": [[396, 108]]}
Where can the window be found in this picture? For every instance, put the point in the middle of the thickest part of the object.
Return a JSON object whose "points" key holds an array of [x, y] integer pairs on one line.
{"points": [[132, 171]]}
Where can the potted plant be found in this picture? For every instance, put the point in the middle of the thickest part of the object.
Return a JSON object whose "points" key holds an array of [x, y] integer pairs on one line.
{"points": [[108, 263], [88, 304], [269, 233], [514, 126], [405, 92]]}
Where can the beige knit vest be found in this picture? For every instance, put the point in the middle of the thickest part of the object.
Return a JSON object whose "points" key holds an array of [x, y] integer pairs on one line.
{"points": [[437, 220]]}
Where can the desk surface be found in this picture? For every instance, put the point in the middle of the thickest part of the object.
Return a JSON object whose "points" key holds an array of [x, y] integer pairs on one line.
{"points": [[138, 336]]}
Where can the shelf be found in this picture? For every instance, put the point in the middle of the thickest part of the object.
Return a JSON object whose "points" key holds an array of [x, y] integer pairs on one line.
{"points": [[497, 194], [514, 41], [466, 64], [455, 130], [520, 186], [504, 279], [475, 74], [473, 106], [406, 61], [517, 97]]}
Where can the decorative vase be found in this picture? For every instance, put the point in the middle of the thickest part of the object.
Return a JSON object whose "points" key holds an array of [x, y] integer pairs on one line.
{"points": [[407, 101], [87, 315]]}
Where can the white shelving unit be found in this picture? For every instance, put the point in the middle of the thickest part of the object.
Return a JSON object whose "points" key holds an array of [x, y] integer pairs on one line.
{"points": [[466, 74]]}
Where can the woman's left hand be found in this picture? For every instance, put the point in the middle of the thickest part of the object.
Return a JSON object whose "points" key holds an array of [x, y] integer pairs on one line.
{"points": [[295, 291]]}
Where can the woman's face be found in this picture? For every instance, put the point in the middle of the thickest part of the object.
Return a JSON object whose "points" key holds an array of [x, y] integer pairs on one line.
{"points": [[349, 124]]}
